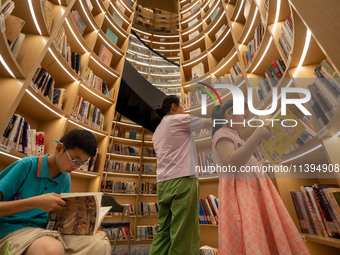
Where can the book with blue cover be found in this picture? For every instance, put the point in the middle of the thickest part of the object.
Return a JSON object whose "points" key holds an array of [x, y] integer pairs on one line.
{"points": [[112, 36]]}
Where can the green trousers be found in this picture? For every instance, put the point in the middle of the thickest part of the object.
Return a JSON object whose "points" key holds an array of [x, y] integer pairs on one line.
{"points": [[178, 218]]}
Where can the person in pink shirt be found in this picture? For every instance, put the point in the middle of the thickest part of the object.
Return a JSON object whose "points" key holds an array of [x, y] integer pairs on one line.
{"points": [[177, 183], [252, 216]]}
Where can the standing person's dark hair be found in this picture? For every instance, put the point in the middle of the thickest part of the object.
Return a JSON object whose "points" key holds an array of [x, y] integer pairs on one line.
{"points": [[219, 113], [165, 107], [82, 139]]}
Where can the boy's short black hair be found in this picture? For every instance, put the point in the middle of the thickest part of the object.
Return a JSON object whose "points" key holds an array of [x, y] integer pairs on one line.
{"points": [[82, 139]]}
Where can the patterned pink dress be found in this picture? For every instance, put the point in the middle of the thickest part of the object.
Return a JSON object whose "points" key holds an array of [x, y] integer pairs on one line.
{"points": [[252, 216]]}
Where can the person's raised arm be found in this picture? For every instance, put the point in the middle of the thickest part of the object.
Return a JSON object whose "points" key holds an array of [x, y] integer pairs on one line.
{"points": [[230, 156], [46, 202]]}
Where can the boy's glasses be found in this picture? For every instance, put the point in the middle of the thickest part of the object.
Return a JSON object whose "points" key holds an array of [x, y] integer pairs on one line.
{"points": [[73, 161]]}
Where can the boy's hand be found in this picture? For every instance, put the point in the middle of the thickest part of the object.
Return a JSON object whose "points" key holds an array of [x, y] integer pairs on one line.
{"points": [[50, 202]]}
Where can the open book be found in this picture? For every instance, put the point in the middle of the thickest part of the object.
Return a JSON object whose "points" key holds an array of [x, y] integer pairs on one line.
{"points": [[283, 136], [82, 216]]}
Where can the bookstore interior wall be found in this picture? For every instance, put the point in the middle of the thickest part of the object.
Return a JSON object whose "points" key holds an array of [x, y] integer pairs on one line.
{"points": [[61, 66]]}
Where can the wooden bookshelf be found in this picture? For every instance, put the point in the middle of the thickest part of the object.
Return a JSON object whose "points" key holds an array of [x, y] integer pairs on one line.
{"points": [[121, 128], [242, 17]]}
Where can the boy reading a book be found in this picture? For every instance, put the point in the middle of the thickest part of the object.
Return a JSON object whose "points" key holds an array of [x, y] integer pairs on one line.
{"points": [[31, 187]]}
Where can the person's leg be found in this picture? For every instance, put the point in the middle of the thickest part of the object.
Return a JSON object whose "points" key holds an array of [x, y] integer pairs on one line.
{"points": [[33, 241], [45, 245], [161, 242], [79, 245], [185, 232]]}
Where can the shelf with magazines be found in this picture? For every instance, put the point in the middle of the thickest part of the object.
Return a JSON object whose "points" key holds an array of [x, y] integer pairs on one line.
{"points": [[49, 89]]}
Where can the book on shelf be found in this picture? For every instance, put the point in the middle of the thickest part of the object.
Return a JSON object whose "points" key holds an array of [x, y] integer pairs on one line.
{"points": [[325, 93], [89, 5], [131, 208], [112, 36], [48, 8], [148, 188], [185, 15], [149, 152], [220, 31], [275, 72], [105, 55], [20, 137], [122, 234], [117, 19], [122, 167], [124, 150], [317, 208], [129, 2], [132, 134], [120, 6], [213, 16], [89, 165], [7, 10], [58, 97], [195, 53], [283, 136], [17, 44], [81, 26], [82, 215], [253, 45], [149, 169], [87, 113], [146, 232], [208, 250], [13, 26], [197, 70], [286, 37], [145, 208], [208, 210], [193, 22]]}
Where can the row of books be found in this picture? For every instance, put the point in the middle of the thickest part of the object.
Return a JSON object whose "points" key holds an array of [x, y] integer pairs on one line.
{"points": [[149, 169], [122, 167], [148, 188], [44, 83], [89, 165], [146, 232], [207, 250], [235, 74], [147, 208], [286, 37], [63, 47], [20, 137], [118, 187], [253, 45], [205, 159], [124, 150], [202, 132], [305, 137], [96, 82], [122, 235], [87, 113], [325, 92], [154, 80], [131, 209], [272, 76], [208, 210], [170, 91], [318, 209], [122, 131], [149, 152]]}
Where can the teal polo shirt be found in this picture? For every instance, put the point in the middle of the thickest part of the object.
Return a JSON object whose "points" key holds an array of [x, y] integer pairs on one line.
{"points": [[22, 180]]}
